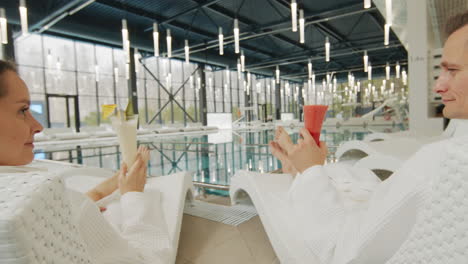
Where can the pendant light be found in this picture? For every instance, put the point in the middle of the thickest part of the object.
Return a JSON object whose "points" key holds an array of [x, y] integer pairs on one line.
{"points": [[294, 15], [301, 26], [277, 74], [387, 34], [327, 49], [156, 39], [221, 41], [24, 17], [387, 71], [365, 58], [397, 70], [187, 51], [236, 35], [169, 43], [3, 27], [309, 68], [367, 4], [242, 58]]}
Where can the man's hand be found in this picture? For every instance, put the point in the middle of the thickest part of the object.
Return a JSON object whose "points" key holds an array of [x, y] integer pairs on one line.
{"points": [[306, 153], [134, 180]]}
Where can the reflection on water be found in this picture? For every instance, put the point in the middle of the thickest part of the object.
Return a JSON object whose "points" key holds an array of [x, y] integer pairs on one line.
{"points": [[213, 158]]}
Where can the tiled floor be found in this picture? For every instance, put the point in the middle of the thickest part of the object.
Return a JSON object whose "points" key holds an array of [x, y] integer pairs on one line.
{"points": [[206, 242]]}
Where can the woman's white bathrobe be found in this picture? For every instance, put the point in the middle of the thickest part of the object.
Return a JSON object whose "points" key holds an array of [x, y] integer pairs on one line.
{"points": [[418, 215], [131, 231]]}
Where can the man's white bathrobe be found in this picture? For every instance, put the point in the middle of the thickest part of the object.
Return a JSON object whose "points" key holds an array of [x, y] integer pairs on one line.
{"points": [[418, 215]]}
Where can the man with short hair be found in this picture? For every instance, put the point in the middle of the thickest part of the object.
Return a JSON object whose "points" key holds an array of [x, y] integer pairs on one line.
{"points": [[418, 215]]}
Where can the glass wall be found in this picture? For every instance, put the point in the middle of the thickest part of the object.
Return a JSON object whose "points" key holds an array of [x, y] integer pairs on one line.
{"points": [[96, 75]]}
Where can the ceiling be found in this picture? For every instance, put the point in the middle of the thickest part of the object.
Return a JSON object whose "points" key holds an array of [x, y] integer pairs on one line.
{"points": [[265, 28]]}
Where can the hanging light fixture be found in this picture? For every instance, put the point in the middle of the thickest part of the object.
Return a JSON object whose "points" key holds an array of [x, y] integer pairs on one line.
{"points": [[294, 15], [277, 74], [369, 72], [313, 80], [388, 9], [3, 27], [367, 4], [309, 68], [238, 69], [365, 58], [387, 71], [397, 70], [301, 26], [404, 77], [327, 49], [221, 41], [169, 43], [242, 58], [156, 39], [125, 40], [236, 35], [23, 17], [187, 51], [387, 34]]}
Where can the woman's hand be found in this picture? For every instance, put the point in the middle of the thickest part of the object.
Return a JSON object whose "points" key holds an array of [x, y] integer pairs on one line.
{"points": [[105, 188], [134, 180], [306, 153]]}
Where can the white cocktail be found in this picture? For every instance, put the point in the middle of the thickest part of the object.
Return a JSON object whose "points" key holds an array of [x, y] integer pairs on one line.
{"points": [[127, 135]]}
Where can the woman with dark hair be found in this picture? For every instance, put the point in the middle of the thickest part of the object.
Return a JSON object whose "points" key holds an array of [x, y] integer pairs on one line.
{"points": [[138, 237]]}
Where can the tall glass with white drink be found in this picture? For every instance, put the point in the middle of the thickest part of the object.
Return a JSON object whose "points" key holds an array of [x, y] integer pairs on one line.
{"points": [[127, 135]]}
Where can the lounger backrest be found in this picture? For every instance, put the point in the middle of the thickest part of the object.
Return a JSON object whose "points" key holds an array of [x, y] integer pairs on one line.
{"points": [[37, 224]]}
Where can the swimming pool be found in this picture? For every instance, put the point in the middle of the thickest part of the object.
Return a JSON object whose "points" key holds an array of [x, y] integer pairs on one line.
{"points": [[214, 158]]}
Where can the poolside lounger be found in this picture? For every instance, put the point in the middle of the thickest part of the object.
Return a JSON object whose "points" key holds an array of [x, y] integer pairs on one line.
{"points": [[35, 216], [269, 193]]}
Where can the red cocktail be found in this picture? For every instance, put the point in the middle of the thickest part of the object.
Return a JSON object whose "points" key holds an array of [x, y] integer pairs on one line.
{"points": [[313, 119]]}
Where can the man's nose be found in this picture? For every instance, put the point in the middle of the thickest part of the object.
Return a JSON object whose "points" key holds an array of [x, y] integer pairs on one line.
{"points": [[441, 85]]}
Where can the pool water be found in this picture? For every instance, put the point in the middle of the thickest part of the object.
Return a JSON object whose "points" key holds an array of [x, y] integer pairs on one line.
{"points": [[213, 158]]}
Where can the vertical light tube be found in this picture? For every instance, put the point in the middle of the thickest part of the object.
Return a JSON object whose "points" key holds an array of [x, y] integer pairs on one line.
{"points": [[23, 17], [387, 71], [242, 58], [294, 15], [156, 39], [327, 49], [301, 26], [388, 11], [221, 41], [397, 70], [404, 77], [169, 43], [365, 58], [187, 51], [239, 72], [367, 4], [277, 74], [309, 68], [387, 34], [236, 35], [136, 58], [3, 27], [369, 72], [125, 41]]}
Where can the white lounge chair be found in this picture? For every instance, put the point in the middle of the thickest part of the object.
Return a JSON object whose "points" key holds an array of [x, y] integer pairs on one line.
{"points": [[35, 221], [269, 194]]}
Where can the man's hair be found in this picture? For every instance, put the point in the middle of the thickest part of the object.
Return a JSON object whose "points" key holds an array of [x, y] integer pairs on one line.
{"points": [[4, 67], [456, 22]]}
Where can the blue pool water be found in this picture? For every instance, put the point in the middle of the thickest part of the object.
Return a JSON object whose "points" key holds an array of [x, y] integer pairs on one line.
{"points": [[213, 158]]}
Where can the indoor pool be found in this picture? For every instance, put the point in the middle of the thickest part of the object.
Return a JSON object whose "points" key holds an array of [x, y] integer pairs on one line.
{"points": [[213, 158]]}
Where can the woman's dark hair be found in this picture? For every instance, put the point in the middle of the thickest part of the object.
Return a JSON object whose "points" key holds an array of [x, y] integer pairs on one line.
{"points": [[456, 22], [4, 67]]}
